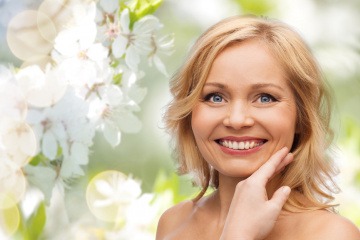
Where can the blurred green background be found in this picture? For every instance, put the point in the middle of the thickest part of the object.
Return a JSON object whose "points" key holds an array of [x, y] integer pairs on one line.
{"points": [[331, 27]]}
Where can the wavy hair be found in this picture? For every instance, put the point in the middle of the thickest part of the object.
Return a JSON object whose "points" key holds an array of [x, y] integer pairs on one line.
{"points": [[312, 171]]}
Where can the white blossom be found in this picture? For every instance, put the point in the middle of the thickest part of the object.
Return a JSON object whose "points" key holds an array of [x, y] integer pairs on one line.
{"points": [[65, 126], [110, 193], [43, 178], [117, 190], [81, 61], [49, 114], [41, 88], [163, 45], [109, 6], [18, 141], [12, 182], [12, 101], [80, 34], [112, 111], [135, 42]]}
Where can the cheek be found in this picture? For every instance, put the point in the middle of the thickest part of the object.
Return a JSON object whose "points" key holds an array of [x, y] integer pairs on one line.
{"points": [[195, 122], [280, 121], [203, 121], [283, 124]]}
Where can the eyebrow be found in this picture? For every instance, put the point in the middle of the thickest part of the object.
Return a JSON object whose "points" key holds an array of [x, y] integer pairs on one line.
{"points": [[215, 84], [266, 85], [253, 86]]}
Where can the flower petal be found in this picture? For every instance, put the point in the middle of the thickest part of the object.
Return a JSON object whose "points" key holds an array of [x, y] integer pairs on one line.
{"points": [[125, 21], [160, 65], [146, 25], [112, 134], [49, 145], [109, 6], [119, 46], [132, 58], [104, 188]]}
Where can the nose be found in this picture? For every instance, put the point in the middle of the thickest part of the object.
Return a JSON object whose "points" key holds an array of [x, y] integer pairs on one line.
{"points": [[238, 116]]}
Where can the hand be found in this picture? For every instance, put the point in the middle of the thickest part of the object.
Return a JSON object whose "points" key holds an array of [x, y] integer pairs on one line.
{"points": [[252, 215]]}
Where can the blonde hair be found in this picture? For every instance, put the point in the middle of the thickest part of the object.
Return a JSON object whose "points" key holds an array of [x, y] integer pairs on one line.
{"points": [[312, 171]]}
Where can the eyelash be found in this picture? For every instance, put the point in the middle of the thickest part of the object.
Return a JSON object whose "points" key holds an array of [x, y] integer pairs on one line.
{"points": [[208, 97], [272, 98]]}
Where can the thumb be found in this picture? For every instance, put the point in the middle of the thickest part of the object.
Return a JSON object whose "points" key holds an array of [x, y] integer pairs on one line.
{"points": [[280, 196]]}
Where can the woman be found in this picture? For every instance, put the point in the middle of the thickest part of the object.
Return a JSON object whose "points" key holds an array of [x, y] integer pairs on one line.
{"points": [[250, 117]]}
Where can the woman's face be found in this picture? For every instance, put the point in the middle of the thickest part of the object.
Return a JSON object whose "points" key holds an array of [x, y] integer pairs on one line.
{"points": [[246, 112]]}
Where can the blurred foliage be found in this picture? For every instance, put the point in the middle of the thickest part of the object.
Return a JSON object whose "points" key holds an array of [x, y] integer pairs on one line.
{"points": [[32, 227], [173, 183], [257, 7], [352, 134], [141, 8]]}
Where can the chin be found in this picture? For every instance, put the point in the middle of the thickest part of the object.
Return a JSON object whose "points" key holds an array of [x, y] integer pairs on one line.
{"points": [[238, 173]]}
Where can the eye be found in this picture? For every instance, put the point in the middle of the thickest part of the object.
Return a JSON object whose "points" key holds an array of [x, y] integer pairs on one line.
{"points": [[266, 98], [214, 97]]}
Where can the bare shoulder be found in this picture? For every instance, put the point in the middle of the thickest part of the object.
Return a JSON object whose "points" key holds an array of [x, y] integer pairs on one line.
{"points": [[328, 225], [172, 218]]}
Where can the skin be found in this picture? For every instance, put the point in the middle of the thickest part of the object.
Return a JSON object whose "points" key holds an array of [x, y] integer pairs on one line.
{"points": [[246, 98]]}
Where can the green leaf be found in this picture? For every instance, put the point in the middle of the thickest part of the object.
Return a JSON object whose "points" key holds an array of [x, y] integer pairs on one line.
{"points": [[40, 158], [140, 8], [117, 79], [36, 222]]}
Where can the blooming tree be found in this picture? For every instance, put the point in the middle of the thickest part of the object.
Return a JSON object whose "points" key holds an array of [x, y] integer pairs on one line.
{"points": [[50, 112]]}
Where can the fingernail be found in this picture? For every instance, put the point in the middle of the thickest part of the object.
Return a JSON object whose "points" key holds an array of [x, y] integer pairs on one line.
{"points": [[286, 190]]}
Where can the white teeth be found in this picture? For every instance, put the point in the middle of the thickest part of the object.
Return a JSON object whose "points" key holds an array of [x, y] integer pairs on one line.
{"points": [[240, 145]]}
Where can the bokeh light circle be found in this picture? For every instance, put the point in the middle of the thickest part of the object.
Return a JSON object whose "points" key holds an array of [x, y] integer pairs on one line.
{"points": [[18, 140], [59, 12], [100, 198], [26, 40], [12, 185], [13, 104], [9, 220]]}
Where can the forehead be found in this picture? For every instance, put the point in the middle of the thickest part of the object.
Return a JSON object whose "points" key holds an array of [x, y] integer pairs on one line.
{"points": [[246, 61]]}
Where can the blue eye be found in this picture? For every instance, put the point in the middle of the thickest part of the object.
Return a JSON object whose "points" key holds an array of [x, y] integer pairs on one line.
{"points": [[216, 98], [266, 98]]}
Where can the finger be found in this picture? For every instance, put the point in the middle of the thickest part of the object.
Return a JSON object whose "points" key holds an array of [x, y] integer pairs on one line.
{"points": [[288, 159], [279, 197], [268, 169]]}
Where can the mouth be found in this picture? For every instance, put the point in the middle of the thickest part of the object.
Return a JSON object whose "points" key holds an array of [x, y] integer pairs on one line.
{"points": [[241, 145]]}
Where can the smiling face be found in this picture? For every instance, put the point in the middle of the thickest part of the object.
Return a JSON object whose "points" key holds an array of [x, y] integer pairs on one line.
{"points": [[246, 110]]}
